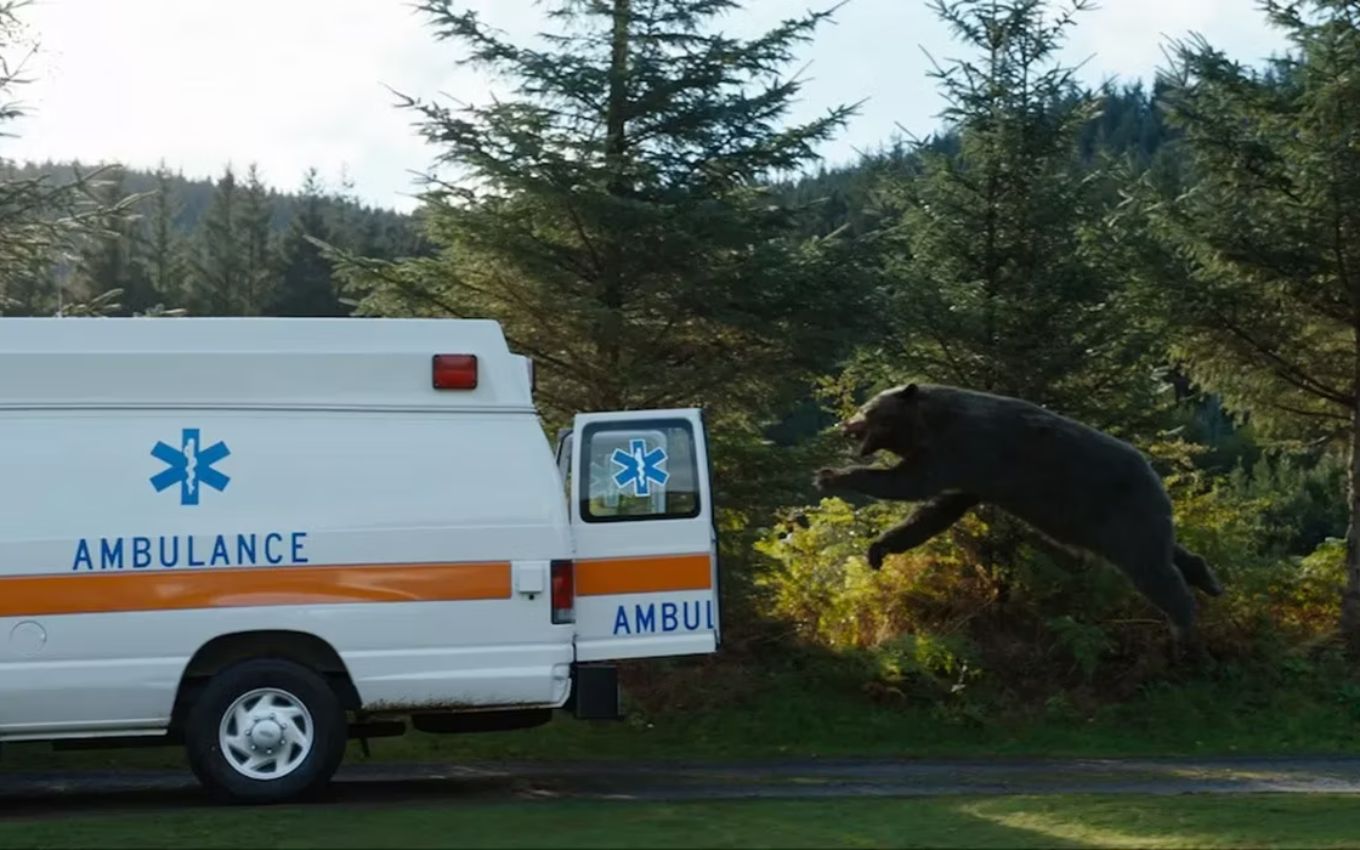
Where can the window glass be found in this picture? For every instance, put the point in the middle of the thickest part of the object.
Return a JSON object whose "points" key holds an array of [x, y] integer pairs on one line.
{"points": [[639, 470]]}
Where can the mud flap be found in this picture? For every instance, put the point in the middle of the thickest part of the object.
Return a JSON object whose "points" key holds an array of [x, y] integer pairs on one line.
{"points": [[595, 692]]}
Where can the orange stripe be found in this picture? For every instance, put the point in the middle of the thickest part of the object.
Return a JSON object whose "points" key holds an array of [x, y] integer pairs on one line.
{"points": [[644, 575], [31, 596]]}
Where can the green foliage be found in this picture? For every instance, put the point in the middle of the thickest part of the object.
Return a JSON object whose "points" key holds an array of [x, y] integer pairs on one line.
{"points": [[1267, 231], [307, 285], [1264, 246], [612, 214], [219, 268], [1302, 499], [821, 583], [997, 268], [1086, 643], [257, 248]]}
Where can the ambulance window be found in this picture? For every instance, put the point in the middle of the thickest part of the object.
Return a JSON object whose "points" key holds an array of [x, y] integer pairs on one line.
{"points": [[639, 470]]}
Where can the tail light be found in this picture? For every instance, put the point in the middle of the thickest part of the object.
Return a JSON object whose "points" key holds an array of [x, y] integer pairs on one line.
{"points": [[563, 592]]}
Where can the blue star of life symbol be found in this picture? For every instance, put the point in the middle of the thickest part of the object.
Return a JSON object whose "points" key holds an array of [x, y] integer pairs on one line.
{"points": [[189, 466], [639, 467]]}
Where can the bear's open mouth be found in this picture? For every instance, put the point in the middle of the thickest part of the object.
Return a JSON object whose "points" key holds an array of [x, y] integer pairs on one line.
{"points": [[858, 429]]}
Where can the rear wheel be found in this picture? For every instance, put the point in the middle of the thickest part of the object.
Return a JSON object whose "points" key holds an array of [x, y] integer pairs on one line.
{"points": [[266, 731]]}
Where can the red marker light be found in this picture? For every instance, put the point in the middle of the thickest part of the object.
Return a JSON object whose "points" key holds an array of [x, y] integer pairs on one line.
{"points": [[455, 371]]}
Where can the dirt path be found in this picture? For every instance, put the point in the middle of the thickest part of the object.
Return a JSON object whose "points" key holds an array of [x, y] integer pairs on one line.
{"points": [[57, 794]]}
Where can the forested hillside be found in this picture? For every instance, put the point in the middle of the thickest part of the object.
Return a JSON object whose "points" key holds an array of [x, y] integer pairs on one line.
{"points": [[204, 247]]}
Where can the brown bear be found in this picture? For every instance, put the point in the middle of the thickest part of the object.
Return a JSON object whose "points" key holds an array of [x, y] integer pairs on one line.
{"points": [[1079, 487]]}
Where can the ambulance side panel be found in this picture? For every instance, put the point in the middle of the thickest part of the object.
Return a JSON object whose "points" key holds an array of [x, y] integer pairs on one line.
{"points": [[416, 544]]}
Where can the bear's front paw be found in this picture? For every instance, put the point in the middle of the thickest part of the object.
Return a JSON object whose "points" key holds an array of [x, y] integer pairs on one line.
{"points": [[826, 479], [877, 552]]}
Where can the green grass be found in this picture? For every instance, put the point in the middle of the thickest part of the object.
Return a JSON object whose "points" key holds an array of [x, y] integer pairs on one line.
{"points": [[787, 715], [1012, 822]]}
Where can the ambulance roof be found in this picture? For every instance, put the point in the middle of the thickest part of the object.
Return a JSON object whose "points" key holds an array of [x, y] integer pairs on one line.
{"points": [[253, 362]]}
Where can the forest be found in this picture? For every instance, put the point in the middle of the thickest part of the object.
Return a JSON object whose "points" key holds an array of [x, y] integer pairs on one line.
{"points": [[1177, 264]]}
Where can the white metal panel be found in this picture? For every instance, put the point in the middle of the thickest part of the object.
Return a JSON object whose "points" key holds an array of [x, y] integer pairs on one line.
{"points": [[120, 671], [351, 489], [643, 625], [253, 363], [370, 488]]}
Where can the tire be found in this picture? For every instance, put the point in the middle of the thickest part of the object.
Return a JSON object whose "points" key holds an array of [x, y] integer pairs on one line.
{"points": [[265, 731]]}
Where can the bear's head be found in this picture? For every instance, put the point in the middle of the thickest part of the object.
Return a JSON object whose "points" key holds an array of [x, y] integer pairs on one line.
{"points": [[891, 420]]}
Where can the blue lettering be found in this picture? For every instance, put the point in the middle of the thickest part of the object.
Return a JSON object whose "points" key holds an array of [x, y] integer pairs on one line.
{"points": [[697, 617], [645, 621], [709, 606], [269, 549], [83, 557], [670, 620], [220, 552], [111, 556], [245, 549], [170, 559], [141, 553], [170, 551], [621, 622], [299, 537]]}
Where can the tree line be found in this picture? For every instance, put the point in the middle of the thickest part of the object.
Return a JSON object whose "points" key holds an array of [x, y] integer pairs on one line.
{"points": [[228, 247]]}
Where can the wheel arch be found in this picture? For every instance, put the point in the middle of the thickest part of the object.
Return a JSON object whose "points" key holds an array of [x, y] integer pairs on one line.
{"points": [[226, 650]]}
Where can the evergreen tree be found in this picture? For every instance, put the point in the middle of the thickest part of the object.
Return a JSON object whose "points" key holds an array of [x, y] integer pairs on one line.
{"points": [[615, 219], [110, 261], [999, 277], [306, 284], [219, 263], [253, 229], [163, 256], [1268, 237]]}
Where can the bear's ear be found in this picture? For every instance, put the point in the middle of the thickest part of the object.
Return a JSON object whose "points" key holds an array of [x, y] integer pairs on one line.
{"points": [[908, 392]]}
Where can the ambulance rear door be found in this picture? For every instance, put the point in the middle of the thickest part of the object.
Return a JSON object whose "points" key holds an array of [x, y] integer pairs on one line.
{"points": [[646, 572]]}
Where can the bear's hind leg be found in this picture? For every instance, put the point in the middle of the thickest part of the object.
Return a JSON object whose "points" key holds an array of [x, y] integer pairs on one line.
{"points": [[1147, 560]]}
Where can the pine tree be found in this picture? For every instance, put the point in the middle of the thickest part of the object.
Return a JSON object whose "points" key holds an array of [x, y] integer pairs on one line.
{"points": [[1268, 238], [219, 263], [998, 277], [614, 218], [109, 263], [163, 255], [253, 229], [307, 285]]}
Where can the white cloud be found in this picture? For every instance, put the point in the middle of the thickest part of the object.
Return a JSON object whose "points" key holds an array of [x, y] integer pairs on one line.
{"points": [[295, 83]]}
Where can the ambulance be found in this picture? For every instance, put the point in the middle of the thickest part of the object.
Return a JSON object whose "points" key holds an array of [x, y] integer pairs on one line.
{"points": [[262, 538]]}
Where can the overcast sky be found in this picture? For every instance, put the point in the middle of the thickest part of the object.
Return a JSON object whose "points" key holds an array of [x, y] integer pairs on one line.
{"points": [[293, 83]]}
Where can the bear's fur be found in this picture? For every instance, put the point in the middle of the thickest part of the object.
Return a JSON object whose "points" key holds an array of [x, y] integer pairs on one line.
{"points": [[1081, 488]]}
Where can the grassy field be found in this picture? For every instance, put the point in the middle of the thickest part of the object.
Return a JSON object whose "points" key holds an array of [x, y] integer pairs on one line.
{"points": [[1011, 822], [786, 716]]}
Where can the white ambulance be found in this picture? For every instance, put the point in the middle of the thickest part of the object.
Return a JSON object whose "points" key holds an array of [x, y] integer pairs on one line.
{"points": [[264, 537]]}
